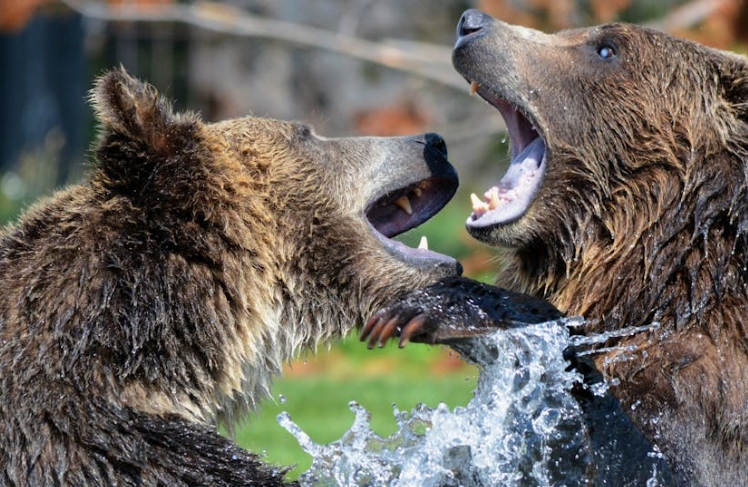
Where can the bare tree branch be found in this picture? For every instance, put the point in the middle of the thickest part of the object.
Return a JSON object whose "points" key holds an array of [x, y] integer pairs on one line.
{"points": [[429, 61], [688, 15]]}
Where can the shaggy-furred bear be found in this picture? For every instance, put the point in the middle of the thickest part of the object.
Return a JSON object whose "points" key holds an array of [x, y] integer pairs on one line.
{"points": [[159, 297], [625, 202]]}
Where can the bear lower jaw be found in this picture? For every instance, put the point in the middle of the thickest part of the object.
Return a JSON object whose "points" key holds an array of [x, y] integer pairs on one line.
{"points": [[421, 258]]}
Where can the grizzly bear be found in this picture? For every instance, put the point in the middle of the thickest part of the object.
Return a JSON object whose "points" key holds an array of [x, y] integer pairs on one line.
{"points": [[160, 297], [626, 203]]}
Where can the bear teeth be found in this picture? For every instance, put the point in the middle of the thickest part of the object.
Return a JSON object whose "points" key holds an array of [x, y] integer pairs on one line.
{"points": [[474, 85], [404, 203], [495, 197], [424, 243], [479, 207]]}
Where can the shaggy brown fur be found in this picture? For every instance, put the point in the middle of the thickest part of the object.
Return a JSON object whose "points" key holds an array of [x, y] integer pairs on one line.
{"points": [[161, 296], [641, 217]]}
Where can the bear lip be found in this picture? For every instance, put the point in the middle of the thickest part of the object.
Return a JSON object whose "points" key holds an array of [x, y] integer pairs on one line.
{"points": [[388, 219], [512, 196]]}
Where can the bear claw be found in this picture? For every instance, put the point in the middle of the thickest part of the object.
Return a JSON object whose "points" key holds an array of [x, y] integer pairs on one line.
{"points": [[451, 310]]}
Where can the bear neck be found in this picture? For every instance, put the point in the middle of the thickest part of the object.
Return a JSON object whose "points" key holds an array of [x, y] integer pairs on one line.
{"points": [[676, 258], [676, 269]]}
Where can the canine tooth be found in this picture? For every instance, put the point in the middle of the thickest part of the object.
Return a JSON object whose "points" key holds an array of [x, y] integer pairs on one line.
{"points": [[404, 203], [493, 197], [477, 202], [424, 244], [479, 206], [474, 85]]}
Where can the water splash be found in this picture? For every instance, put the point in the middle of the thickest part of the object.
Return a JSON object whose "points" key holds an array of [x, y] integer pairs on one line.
{"points": [[522, 427]]}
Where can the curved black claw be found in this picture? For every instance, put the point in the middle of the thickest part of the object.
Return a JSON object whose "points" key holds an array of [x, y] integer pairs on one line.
{"points": [[453, 309]]}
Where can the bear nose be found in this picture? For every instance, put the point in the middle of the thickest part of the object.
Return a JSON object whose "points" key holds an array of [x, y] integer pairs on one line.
{"points": [[472, 21], [437, 142]]}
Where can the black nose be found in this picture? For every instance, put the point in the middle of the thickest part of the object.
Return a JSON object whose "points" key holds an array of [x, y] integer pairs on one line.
{"points": [[472, 21], [437, 142]]}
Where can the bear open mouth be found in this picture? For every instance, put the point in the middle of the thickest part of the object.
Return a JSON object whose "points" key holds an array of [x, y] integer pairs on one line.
{"points": [[512, 196], [406, 208]]}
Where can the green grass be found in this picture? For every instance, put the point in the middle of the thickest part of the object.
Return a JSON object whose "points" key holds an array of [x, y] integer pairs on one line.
{"points": [[318, 401]]}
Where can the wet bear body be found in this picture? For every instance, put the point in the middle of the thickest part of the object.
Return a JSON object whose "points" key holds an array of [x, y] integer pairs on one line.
{"points": [[626, 202], [159, 297]]}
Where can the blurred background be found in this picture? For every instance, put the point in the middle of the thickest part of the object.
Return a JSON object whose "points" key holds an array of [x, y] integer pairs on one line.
{"points": [[348, 67]]}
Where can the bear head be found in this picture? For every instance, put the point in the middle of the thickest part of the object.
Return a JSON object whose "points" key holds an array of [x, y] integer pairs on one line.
{"points": [[622, 137], [198, 257]]}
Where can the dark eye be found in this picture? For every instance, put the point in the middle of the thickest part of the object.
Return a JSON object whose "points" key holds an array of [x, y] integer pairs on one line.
{"points": [[305, 131], [606, 51]]}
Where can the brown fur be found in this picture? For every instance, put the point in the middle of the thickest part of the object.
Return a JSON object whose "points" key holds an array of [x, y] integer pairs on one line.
{"points": [[161, 296], [642, 218]]}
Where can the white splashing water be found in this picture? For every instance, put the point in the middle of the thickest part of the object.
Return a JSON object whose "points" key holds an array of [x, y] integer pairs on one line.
{"points": [[522, 427]]}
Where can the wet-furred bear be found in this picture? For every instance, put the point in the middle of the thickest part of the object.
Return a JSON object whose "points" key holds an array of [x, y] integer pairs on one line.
{"points": [[160, 296], [626, 203]]}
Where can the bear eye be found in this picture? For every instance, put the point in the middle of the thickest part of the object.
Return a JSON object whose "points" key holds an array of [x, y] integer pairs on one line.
{"points": [[304, 131], [606, 51]]}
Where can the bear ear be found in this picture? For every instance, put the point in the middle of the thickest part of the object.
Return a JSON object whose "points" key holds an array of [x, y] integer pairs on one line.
{"points": [[134, 109]]}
